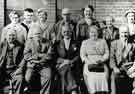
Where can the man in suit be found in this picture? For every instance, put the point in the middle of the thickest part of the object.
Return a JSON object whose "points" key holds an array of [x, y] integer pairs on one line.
{"points": [[39, 56], [122, 53], [28, 15], [67, 58], [11, 53], [66, 18], [110, 33]]}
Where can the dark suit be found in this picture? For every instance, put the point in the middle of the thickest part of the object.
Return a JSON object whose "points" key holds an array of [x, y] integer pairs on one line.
{"points": [[17, 55], [110, 35], [121, 55], [65, 71]]}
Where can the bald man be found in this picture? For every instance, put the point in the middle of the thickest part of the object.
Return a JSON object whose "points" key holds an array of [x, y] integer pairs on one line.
{"points": [[122, 52], [11, 54], [39, 56]]}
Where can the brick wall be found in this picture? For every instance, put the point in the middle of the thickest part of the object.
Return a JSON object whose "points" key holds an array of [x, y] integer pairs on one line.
{"points": [[116, 8], [20, 5], [1, 13]]}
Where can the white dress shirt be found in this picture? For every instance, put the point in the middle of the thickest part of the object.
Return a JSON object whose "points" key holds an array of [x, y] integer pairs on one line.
{"points": [[67, 43]]}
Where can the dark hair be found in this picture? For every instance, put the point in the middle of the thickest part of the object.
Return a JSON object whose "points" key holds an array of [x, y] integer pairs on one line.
{"points": [[28, 10], [89, 6]]}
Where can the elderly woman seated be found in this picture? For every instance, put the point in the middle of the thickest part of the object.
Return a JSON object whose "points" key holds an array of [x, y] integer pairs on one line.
{"points": [[11, 53], [94, 53]]}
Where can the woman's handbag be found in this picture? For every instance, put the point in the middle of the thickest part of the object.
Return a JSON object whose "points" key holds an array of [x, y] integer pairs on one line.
{"points": [[96, 68]]}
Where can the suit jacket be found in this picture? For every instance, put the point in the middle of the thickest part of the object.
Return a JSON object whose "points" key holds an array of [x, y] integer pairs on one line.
{"points": [[45, 55], [120, 54], [111, 35], [17, 53], [71, 54]]}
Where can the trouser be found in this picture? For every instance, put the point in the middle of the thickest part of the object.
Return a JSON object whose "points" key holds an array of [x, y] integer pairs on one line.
{"points": [[67, 81], [16, 81], [39, 81], [122, 84]]}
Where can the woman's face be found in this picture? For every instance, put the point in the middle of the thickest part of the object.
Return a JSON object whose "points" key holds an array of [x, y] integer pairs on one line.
{"points": [[88, 13], [14, 18], [93, 33], [131, 18], [42, 16]]}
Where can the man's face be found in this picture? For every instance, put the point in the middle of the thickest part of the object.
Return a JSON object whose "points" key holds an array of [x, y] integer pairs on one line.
{"points": [[28, 16], [11, 36], [109, 21], [88, 13], [66, 17], [42, 16], [131, 18], [14, 18], [66, 32], [124, 33]]}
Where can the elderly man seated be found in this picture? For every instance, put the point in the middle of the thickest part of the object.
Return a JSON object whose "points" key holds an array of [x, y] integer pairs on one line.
{"points": [[38, 56], [11, 53], [122, 53], [67, 57]]}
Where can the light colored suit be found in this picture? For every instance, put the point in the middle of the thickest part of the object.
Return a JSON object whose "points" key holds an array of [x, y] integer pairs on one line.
{"points": [[120, 55]]}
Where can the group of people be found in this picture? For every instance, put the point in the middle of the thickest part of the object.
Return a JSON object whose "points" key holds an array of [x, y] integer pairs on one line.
{"points": [[42, 58]]}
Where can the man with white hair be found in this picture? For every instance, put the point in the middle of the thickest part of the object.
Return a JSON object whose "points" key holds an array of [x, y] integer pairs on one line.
{"points": [[38, 57], [11, 54], [122, 53]]}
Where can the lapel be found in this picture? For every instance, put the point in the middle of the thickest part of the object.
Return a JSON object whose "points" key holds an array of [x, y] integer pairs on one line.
{"points": [[62, 48], [15, 52], [119, 47], [4, 49], [3, 53]]}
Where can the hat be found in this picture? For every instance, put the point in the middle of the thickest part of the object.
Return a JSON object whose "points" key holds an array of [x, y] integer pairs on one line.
{"points": [[65, 11], [42, 10], [129, 11]]}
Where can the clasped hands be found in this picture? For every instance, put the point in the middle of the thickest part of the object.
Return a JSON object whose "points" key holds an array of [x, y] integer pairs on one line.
{"points": [[66, 62]]}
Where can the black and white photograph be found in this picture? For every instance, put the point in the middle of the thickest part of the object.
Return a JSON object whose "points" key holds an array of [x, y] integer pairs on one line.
{"points": [[67, 46]]}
